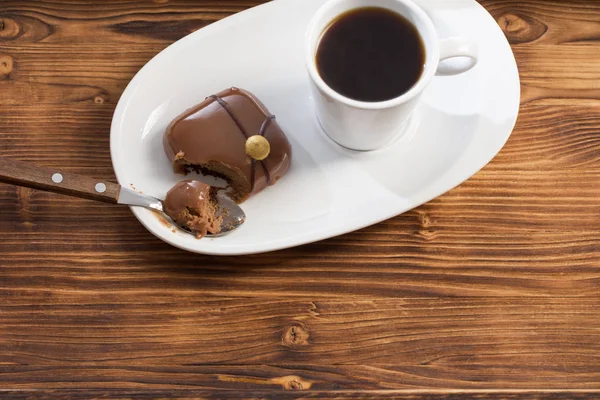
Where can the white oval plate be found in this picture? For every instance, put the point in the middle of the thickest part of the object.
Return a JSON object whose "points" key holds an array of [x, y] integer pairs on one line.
{"points": [[461, 125]]}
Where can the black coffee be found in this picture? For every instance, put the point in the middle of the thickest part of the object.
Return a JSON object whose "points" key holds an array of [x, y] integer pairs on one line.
{"points": [[371, 54]]}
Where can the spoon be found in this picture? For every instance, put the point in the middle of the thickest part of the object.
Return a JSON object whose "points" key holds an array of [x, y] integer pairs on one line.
{"points": [[24, 174]]}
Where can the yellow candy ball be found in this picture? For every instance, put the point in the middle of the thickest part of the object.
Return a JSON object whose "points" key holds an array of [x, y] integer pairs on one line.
{"points": [[257, 147]]}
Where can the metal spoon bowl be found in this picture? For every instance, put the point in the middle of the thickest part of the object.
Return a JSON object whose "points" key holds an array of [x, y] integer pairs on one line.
{"points": [[232, 213]]}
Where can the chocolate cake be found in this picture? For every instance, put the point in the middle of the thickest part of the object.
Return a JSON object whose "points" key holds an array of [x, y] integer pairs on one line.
{"points": [[191, 204], [231, 135]]}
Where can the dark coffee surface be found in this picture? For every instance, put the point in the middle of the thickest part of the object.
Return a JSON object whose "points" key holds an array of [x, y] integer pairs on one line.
{"points": [[371, 54]]}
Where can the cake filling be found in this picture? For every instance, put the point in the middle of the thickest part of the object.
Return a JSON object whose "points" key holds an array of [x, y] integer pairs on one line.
{"points": [[192, 205]]}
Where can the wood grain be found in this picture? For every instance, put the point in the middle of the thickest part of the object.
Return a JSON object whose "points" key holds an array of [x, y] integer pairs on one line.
{"points": [[488, 292], [299, 395]]}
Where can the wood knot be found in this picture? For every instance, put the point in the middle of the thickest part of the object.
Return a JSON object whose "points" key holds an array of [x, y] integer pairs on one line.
{"points": [[6, 64], [520, 28], [24, 28], [9, 29], [424, 220], [294, 385], [99, 100], [292, 382], [295, 335]]}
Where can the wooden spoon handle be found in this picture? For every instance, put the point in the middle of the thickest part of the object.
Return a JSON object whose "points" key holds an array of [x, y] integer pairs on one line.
{"points": [[24, 174]]}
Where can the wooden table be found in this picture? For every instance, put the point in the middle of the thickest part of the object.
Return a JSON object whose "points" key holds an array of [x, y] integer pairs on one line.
{"points": [[490, 291]]}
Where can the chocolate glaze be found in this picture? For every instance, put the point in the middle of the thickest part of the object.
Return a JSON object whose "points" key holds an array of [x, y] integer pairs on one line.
{"points": [[217, 129]]}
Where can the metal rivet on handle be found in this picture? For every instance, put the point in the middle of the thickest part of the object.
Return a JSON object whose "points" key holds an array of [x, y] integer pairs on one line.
{"points": [[57, 178], [100, 187]]}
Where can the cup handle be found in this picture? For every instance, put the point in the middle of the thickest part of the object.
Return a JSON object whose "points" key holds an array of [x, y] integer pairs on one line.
{"points": [[456, 47]]}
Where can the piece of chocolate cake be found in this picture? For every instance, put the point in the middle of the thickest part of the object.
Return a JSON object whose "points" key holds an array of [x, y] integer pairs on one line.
{"points": [[230, 135], [191, 204]]}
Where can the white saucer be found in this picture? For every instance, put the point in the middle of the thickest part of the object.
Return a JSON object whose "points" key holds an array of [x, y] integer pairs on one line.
{"points": [[461, 125]]}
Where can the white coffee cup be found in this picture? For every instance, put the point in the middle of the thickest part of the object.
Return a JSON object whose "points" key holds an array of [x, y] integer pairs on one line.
{"points": [[362, 125]]}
